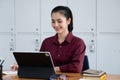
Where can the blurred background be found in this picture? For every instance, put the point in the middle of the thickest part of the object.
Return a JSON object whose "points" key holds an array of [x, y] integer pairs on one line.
{"points": [[24, 24]]}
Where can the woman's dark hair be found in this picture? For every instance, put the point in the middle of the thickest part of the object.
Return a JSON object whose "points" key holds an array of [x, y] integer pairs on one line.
{"points": [[67, 13]]}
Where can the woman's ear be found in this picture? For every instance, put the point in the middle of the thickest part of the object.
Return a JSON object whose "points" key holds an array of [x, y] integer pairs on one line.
{"points": [[69, 21]]}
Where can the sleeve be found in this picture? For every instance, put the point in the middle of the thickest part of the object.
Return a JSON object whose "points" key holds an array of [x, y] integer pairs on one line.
{"points": [[76, 62], [42, 48]]}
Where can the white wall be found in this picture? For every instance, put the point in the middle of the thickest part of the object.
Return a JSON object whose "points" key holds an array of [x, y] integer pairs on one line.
{"points": [[7, 26], [108, 39], [25, 23]]}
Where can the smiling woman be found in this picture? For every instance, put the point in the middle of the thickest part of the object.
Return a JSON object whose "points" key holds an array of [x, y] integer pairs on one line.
{"points": [[66, 49]]}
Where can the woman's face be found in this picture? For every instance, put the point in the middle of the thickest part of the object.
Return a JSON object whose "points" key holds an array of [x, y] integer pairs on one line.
{"points": [[59, 22]]}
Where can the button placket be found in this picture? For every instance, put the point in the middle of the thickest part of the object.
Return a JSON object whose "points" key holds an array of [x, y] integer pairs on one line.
{"points": [[59, 51]]}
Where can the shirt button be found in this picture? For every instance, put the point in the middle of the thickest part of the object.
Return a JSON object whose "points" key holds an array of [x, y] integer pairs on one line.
{"points": [[60, 46], [58, 55]]}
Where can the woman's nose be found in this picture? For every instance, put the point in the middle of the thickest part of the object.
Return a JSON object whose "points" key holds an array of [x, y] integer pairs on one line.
{"points": [[55, 24]]}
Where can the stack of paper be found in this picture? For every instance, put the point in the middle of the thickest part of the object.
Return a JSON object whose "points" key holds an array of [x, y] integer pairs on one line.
{"points": [[9, 72]]}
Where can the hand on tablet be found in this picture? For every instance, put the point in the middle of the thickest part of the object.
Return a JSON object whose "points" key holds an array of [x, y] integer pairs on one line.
{"points": [[14, 67], [57, 69]]}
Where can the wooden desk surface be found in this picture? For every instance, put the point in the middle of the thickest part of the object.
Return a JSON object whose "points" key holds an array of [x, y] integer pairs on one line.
{"points": [[70, 76], [113, 77]]}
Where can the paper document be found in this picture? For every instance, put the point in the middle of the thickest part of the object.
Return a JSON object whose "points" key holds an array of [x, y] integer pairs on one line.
{"points": [[9, 72]]}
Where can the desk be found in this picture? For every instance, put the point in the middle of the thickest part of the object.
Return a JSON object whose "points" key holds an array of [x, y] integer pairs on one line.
{"points": [[70, 76], [113, 77]]}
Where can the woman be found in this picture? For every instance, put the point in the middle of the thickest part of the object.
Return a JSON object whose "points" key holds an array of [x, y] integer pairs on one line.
{"points": [[66, 49]]}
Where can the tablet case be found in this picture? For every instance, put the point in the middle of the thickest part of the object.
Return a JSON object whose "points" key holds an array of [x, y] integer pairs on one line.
{"points": [[35, 72], [34, 64]]}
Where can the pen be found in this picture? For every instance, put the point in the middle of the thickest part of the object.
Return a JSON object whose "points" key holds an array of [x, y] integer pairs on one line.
{"points": [[2, 62]]}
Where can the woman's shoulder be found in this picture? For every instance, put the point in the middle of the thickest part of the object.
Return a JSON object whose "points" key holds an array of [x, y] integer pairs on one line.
{"points": [[51, 38], [76, 38]]}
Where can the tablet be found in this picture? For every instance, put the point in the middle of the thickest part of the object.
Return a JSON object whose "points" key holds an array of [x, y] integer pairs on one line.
{"points": [[34, 64]]}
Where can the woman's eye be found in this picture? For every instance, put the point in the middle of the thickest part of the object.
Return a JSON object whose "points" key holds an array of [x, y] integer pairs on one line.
{"points": [[53, 21], [59, 21]]}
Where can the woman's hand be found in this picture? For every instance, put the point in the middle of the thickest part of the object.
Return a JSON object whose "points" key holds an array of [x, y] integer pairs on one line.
{"points": [[14, 67], [57, 69]]}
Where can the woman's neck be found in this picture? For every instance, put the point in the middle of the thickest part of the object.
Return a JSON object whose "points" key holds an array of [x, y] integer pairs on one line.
{"points": [[62, 37]]}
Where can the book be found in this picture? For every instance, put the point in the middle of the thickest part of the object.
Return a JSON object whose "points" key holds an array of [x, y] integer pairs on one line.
{"points": [[102, 77], [92, 74]]}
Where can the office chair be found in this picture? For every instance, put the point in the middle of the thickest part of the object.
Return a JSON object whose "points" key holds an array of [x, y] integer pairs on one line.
{"points": [[85, 63]]}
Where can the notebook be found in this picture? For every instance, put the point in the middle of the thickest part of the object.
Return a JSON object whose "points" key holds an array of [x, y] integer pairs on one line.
{"points": [[34, 64]]}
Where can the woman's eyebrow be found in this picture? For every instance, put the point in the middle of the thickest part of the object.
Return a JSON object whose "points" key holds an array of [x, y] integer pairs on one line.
{"points": [[56, 19]]}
